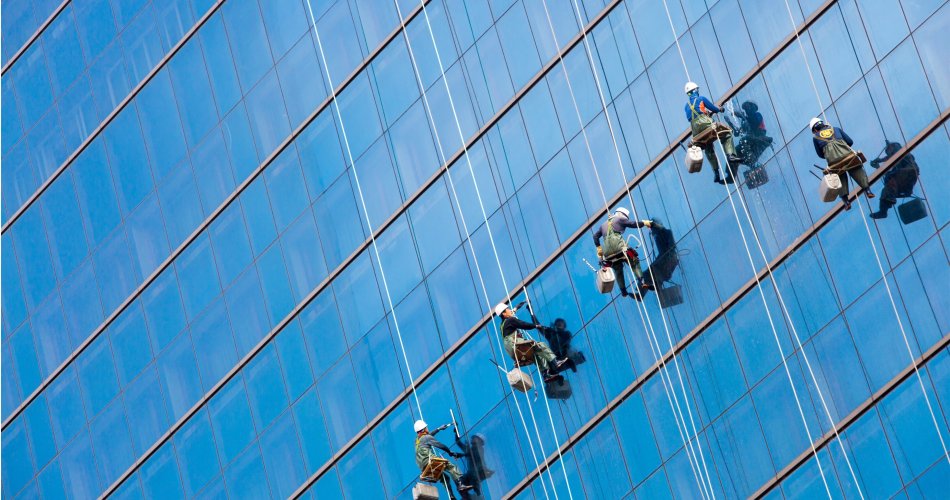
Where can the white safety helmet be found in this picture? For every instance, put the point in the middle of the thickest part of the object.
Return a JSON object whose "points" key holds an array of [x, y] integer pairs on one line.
{"points": [[419, 425], [500, 308], [814, 122], [624, 211], [691, 86]]}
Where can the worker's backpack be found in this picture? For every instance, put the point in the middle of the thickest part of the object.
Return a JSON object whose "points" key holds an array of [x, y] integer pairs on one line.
{"points": [[613, 240]]}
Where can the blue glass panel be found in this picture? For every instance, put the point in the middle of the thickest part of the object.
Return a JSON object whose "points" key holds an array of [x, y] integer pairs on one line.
{"points": [[321, 153], [360, 115], [114, 260], [40, 430], [178, 372], [24, 360], [267, 114], [20, 178], [378, 182], [248, 41], [81, 304], [929, 47], [379, 375], [240, 142], [96, 192], [247, 310], [193, 92], [110, 79], [11, 128], [782, 425], [96, 24], [64, 54], [301, 80], [51, 482], [246, 477], [180, 204], [357, 296], [454, 297], [323, 332], [144, 399], [343, 418], [125, 10], [340, 44], [340, 221], [214, 346], [260, 220], [16, 473], [160, 477], [286, 21], [288, 193], [147, 238], [910, 428], [130, 345], [636, 438], [313, 432], [163, 310], [395, 80], [161, 125], [277, 293], [197, 277], [220, 65], [265, 387], [48, 327], [303, 255], [436, 231], [143, 44], [231, 419], [97, 376], [79, 472], [198, 458], [65, 401], [14, 308], [77, 113], [31, 81], [872, 455], [360, 474], [29, 239], [214, 176], [47, 149], [294, 362], [282, 458], [126, 147], [917, 108], [110, 437], [232, 249]]}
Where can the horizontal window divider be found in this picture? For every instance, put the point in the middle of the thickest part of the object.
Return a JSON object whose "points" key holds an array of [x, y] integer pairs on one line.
{"points": [[108, 120], [34, 37], [762, 276], [204, 225]]}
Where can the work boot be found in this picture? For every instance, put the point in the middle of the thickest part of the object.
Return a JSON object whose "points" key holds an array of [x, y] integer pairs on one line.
{"points": [[624, 292], [558, 365], [464, 487], [730, 179], [847, 202], [880, 214], [869, 194]]}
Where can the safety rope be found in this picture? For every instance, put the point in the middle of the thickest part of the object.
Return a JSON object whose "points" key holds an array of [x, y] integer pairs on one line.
{"points": [[349, 153], [880, 266], [452, 186], [759, 285], [696, 464]]}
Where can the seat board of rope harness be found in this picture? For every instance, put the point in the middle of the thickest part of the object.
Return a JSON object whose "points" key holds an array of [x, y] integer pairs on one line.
{"points": [[705, 137], [524, 352], [434, 469], [853, 160]]}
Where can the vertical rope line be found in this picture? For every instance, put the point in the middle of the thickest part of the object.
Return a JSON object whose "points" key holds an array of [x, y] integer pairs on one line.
{"points": [[349, 153], [880, 266], [644, 314], [484, 214]]}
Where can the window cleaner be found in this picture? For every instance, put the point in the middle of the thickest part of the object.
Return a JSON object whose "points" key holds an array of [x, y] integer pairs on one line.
{"points": [[834, 145], [434, 468], [899, 182], [615, 253], [699, 111], [525, 350]]}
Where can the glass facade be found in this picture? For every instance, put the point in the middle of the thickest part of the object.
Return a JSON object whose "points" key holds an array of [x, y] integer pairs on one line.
{"points": [[246, 243]]}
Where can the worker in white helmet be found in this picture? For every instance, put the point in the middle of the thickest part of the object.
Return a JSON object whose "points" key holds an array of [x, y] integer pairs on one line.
{"points": [[511, 332], [834, 145], [615, 252], [699, 111], [426, 443]]}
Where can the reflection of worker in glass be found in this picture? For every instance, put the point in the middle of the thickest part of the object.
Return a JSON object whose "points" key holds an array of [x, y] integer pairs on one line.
{"points": [[834, 145], [667, 258], [899, 181], [475, 470], [754, 139], [558, 337], [425, 451]]}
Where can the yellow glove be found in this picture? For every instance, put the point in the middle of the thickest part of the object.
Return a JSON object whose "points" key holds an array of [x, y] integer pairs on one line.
{"points": [[600, 253], [647, 223]]}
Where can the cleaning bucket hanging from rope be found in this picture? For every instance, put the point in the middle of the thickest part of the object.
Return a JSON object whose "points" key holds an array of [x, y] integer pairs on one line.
{"points": [[519, 380], [830, 188], [606, 279], [694, 159]]}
